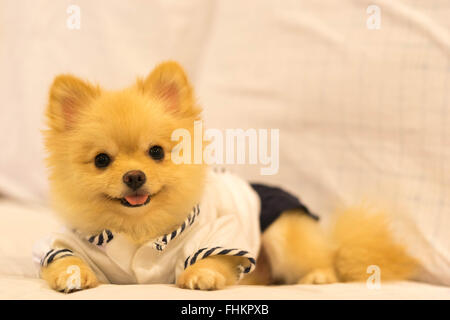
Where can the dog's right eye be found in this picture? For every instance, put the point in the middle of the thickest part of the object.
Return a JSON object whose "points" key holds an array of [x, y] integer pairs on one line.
{"points": [[102, 160]]}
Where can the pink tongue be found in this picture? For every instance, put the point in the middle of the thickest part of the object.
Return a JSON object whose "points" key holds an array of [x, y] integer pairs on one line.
{"points": [[134, 200]]}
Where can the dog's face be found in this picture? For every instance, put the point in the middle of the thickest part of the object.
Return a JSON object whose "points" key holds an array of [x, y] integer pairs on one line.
{"points": [[110, 153]]}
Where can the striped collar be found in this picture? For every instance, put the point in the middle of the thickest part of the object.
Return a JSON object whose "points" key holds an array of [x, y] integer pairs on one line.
{"points": [[101, 239], [160, 243]]}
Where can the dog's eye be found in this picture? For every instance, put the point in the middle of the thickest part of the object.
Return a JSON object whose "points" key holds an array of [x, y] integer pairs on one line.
{"points": [[156, 153], [102, 160]]}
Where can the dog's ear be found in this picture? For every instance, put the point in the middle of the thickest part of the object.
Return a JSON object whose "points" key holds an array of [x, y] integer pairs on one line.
{"points": [[68, 96], [169, 83]]}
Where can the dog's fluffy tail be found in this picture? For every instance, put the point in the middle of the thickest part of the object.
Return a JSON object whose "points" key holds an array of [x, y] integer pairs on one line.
{"points": [[364, 238]]}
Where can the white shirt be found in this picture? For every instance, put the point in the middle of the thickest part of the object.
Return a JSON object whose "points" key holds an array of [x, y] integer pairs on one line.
{"points": [[226, 222]]}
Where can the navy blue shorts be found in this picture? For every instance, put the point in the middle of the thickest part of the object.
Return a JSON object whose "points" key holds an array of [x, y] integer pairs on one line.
{"points": [[274, 201]]}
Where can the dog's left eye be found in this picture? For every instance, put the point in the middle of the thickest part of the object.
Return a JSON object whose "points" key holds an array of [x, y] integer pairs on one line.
{"points": [[102, 160], [156, 153]]}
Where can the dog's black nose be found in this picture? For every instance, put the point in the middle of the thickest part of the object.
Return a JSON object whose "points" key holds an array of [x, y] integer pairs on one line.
{"points": [[134, 179]]}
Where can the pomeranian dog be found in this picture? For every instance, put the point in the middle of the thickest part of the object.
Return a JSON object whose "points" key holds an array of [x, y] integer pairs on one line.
{"points": [[132, 215]]}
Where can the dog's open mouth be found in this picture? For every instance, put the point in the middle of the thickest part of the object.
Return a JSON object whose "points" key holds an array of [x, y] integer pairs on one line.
{"points": [[135, 200]]}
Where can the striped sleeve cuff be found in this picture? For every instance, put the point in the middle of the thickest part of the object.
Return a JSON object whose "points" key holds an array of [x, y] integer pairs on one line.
{"points": [[55, 254], [216, 251]]}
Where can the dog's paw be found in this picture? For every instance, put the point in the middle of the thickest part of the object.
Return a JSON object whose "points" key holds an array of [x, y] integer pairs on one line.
{"points": [[202, 278], [319, 276], [69, 274]]}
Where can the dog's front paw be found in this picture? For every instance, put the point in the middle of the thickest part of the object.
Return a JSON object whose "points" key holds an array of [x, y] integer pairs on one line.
{"points": [[319, 276], [69, 274], [202, 278]]}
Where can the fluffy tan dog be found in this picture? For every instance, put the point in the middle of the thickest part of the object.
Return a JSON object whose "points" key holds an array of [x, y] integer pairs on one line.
{"points": [[109, 156]]}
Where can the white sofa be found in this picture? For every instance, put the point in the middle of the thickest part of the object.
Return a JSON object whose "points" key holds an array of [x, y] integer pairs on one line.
{"points": [[23, 224], [363, 113]]}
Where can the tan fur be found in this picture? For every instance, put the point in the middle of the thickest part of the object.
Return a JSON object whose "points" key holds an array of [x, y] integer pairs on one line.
{"points": [[58, 272], [262, 275], [136, 117], [364, 237], [297, 246], [211, 273], [300, 251], [85, 120]]}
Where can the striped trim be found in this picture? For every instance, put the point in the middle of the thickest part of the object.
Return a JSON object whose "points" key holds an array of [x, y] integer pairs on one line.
{"points": [[102, 238], [55, 254], [161, 242], [216, 251]]}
